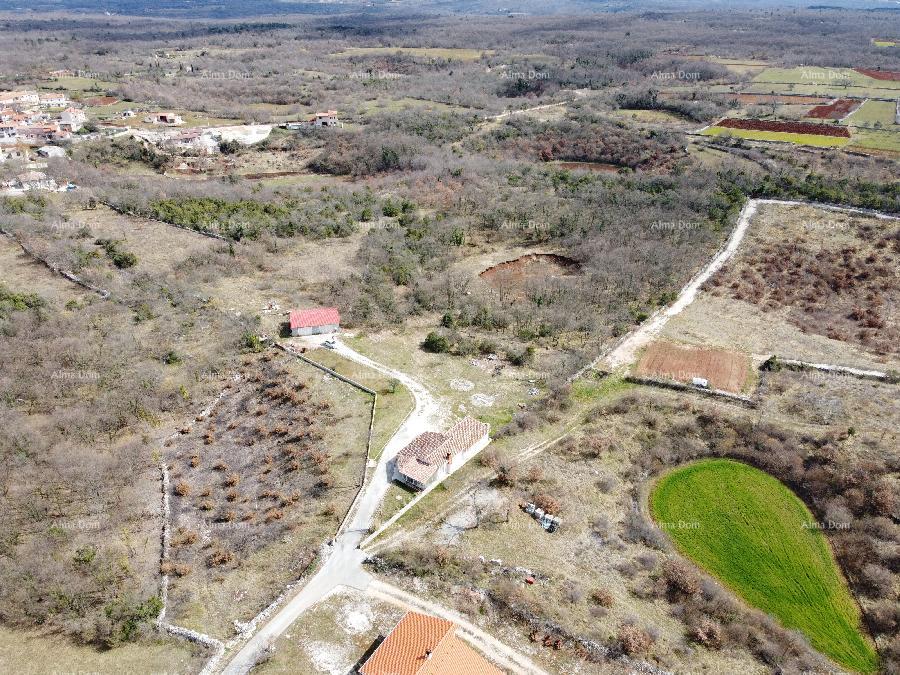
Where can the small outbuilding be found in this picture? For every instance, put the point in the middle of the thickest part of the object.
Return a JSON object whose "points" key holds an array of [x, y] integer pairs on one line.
{"points": [[314, 321]]}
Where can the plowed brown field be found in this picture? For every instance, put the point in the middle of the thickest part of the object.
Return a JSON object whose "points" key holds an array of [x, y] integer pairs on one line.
{"points": [[836, 110], [889, 75], [724, 370], [785, 127]]}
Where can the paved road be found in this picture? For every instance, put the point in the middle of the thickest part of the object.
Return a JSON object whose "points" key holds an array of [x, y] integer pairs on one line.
{"points": [[343, 565]]}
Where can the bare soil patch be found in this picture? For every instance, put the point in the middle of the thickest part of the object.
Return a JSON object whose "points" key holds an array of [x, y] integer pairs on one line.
{"points": [[514, 277], [723, 369]]}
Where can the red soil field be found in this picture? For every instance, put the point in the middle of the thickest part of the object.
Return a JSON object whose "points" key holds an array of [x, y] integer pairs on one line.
{"points": [[889, 75], [101, 100], [836, 110], [785, 127], [723, 369]]}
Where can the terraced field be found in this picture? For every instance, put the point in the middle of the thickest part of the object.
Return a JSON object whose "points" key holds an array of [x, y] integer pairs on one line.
{"points": [[758, 537]]}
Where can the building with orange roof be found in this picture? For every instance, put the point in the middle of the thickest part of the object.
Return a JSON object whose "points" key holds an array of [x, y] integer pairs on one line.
{"points": [[432, 455], [426, 645]]}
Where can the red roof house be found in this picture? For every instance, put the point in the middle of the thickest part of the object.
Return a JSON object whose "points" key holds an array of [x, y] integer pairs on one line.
{"points": [[432, 454], [314, 321], [425, 645]]}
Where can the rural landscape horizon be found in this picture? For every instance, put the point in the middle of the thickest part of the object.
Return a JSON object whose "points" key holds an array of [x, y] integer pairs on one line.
{"points": [[449, 337]]}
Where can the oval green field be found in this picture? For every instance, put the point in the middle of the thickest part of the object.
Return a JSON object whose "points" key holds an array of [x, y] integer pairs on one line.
{"points": [[755, 535]]}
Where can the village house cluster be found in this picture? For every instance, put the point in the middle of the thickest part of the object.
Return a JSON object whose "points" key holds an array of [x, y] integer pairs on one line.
{"points": [[30, 118]]}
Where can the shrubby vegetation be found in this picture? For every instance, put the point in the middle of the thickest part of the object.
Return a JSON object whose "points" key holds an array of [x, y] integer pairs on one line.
{"points": [[18, 302], [699, 107], [365, 155], [240, 212], [582, 138]]}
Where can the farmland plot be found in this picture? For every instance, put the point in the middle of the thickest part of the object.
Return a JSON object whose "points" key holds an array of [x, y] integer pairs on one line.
{"points": [[723, 369], [258, 486], [761, 540]]}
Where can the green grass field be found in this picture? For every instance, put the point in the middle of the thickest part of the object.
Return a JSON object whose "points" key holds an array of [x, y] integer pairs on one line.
{"points": [[871, 112], [800, 139], [865, 135], [758, 537], [821, 81]]}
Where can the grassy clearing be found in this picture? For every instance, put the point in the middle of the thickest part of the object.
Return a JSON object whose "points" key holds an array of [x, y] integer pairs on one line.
{"points": [[395, 401], [79, 84], [593, 387], [33, 653], [332, 636], [821, 81], [871, 112], [799, 139], [872, 139], [759, 538], [835, 77], [652, 116], [424, 52], [863, 121]]}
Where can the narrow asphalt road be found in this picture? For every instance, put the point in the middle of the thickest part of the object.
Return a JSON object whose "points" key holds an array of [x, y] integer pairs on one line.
{"points": [[343, 564]]}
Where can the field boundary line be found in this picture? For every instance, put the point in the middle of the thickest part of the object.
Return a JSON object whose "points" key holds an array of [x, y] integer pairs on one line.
{"points": [[680, 386], [328, 370], [179, 631], [361, 387], [849, 371], [71, 276], [126, 212]]}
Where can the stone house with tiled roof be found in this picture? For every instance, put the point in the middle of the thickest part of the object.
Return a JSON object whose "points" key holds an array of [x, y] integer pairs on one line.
{"points": [[432, 455], [426, 645]]}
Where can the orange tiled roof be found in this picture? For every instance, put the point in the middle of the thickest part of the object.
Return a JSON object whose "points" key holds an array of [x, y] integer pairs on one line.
{"points": [[422, 457], [425, 645], [455, 657]]}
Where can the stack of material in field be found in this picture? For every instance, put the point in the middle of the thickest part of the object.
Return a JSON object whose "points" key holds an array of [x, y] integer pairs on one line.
{"points": [[548, 521]]}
